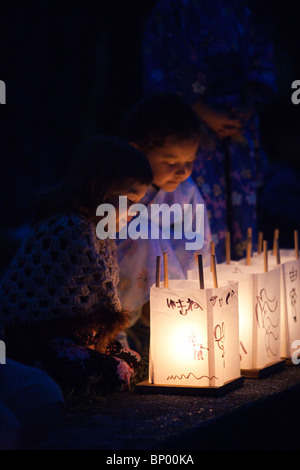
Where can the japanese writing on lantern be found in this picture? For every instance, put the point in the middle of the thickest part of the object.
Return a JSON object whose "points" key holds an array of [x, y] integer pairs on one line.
{"points": [[183, 306], [214, 298], [293, 274], [293, 299]]}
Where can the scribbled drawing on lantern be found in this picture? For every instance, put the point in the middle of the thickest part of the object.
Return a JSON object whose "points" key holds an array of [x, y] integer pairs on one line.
{"points": [[219, 335], [196, 346], [243, 349], [214, 298], [264, 309], [189, 375], [293, 274], [291, 287], [293, 298], [183, 306]]}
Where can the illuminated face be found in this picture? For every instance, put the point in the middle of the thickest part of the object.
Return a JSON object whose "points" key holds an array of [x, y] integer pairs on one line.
{"points": [[172, 163]]}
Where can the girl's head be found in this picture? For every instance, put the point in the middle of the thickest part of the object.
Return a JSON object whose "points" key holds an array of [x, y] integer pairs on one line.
{"points": [[167, 130], [159, 118], [103, 167]]}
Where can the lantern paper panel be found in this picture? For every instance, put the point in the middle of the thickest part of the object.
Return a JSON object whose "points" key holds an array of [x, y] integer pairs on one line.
{"points": [[259, 311], [258, 261], [289, 293], [266, 338], [193, 335], [291, 279]]}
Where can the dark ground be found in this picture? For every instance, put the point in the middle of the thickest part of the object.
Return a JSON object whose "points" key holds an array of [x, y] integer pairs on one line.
{"points": [[263, 414]]}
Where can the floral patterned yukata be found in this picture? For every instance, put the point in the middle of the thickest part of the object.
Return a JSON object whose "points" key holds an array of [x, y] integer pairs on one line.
{"points": [[212, 50]]}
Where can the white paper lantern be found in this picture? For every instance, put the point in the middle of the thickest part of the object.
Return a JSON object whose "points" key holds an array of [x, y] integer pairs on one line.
{"points": [[291, 279], [194, 332], [289, 294], [259, 313]]}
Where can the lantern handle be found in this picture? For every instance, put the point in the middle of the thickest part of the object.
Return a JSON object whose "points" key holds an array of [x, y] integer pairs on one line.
{"points": [[166, 276], [277, 251], [228, 253], [260, 243], [249, 246], [157, 283], [296, 243], [200, 269], [212, 252], [214, 270], [265, 248], [276, 236]]}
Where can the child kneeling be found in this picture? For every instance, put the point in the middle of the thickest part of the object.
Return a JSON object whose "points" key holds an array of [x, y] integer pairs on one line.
{"points": [[59, 303]]}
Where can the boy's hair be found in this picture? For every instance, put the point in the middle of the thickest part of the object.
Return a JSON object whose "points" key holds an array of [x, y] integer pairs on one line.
{"points": [[102, 166], [159, 117]]}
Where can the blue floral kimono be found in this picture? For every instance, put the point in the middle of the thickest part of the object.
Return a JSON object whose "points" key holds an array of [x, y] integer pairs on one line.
{"points": [[212, 50], [137, 258]]}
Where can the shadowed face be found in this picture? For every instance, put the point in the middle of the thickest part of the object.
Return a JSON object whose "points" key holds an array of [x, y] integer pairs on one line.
{"points": [[172, 163], [134, 194]]}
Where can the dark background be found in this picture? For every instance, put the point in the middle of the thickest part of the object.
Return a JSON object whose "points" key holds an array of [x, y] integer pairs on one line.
{"points": [[73, 68]]}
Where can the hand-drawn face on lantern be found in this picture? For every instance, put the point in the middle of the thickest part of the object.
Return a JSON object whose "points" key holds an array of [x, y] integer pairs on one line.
{"points": [[193, 335]]}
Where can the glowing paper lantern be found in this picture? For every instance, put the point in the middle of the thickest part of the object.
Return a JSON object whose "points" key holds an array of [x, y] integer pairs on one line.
{"points": [[291, 318], [287, 260], [193, 335], [259, 314]]}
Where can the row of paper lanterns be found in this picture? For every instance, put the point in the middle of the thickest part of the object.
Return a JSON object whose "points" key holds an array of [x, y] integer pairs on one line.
{"points": [[226, 320]]}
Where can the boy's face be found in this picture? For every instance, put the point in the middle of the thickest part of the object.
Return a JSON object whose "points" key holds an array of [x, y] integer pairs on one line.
{"points": [[172, 163]]}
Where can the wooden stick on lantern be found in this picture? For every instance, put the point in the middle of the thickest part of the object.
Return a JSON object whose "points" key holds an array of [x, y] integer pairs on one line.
{"points": [[157, 283], [265, 248], [277, 252], [212, 252], [166, 277], [296, 243], [200, 269], [260, 243], [228, 253], [214, 270], [249, 246], [276, 236]]}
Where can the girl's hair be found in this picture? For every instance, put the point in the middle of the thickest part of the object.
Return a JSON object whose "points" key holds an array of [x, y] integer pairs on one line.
{"points": [[158, 117], [102, 166]]}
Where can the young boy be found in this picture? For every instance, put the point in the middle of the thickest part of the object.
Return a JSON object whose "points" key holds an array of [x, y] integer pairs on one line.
{"points": [[168, 132]]}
